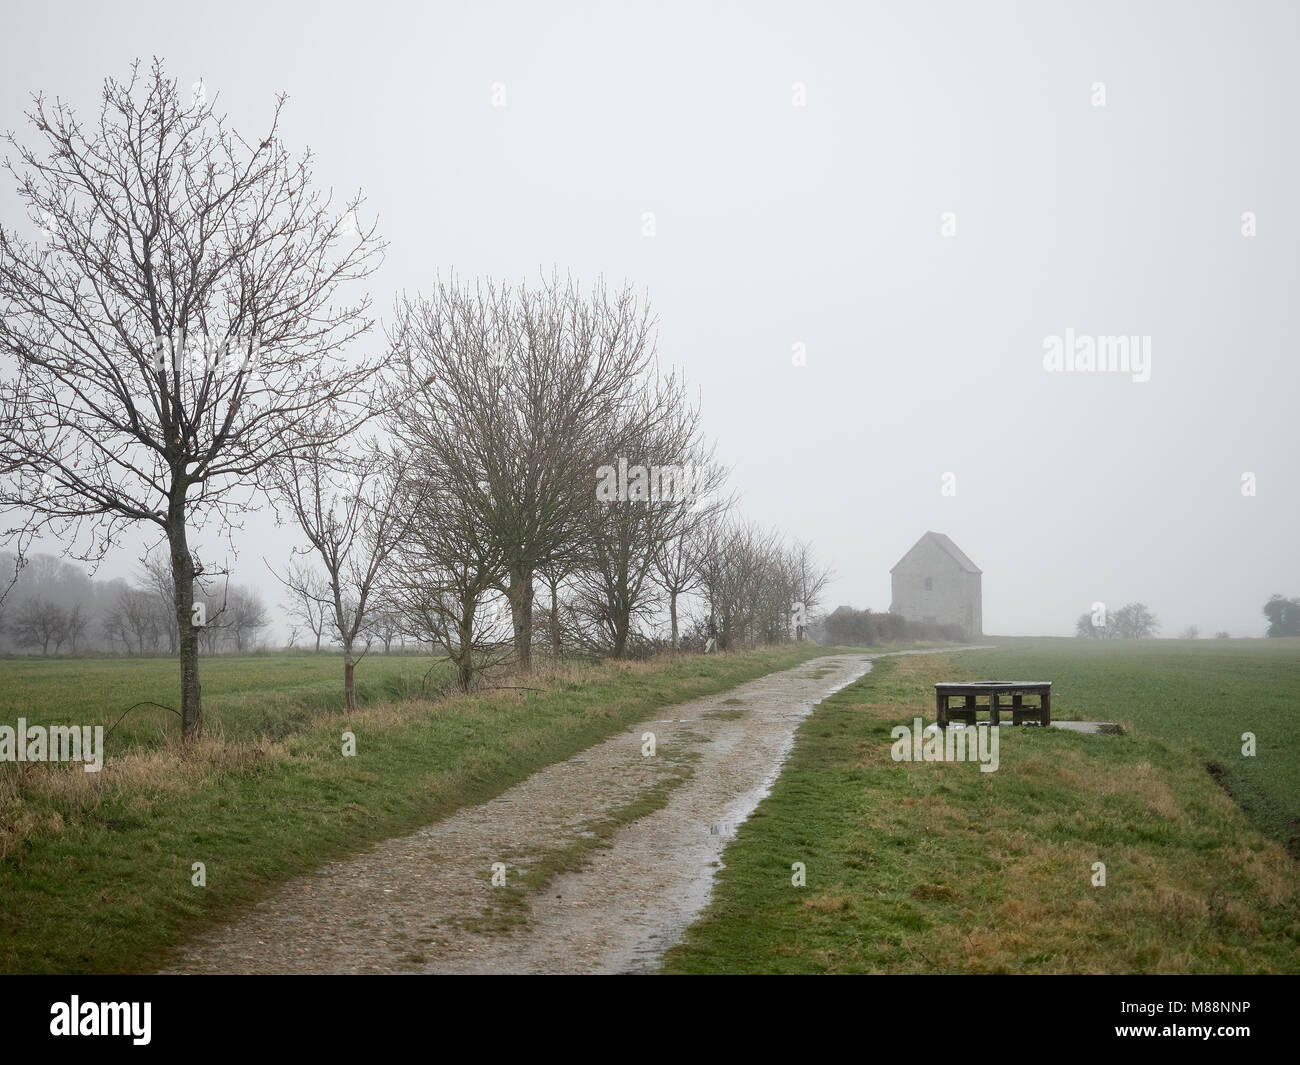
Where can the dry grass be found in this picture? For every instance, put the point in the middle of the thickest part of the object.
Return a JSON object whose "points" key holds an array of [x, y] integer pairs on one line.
{"points": [[44, 798]]}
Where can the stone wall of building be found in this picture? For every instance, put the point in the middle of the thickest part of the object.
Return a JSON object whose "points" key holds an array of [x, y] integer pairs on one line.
{"points": [[953, 596]]}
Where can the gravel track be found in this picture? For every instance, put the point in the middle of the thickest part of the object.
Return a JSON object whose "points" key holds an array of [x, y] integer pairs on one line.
{"points": [[425, 902]]}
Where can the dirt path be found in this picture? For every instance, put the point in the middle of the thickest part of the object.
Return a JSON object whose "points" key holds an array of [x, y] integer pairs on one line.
{"points": [[642, 836]]}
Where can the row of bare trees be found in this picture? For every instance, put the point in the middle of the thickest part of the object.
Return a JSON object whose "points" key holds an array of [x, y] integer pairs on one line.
{"points": [[177, 342], [535, 443]]}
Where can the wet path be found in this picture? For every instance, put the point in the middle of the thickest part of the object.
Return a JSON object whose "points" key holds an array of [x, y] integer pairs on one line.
{"points": [[642, 836]]}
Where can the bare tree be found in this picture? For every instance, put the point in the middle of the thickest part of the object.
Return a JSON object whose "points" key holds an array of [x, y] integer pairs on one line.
{"points": [[1134, 621], [507, 394], [134, 612], [309, 598], [679, 562], [75, 627], [385, 625], [657, 481], [156, 580], [112, 624], [553, 576], [212, 607], [38, 622], [448, 567], [743, 578], [354, 512], [247, 616], [177, 327], [808, 583]]}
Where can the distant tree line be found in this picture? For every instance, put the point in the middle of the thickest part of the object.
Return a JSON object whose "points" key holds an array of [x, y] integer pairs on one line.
{"points": [[1133, 621], [54, 608]]}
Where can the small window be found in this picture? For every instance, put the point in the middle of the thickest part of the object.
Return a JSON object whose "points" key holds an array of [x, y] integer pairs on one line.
{"points": [[929, 584]]}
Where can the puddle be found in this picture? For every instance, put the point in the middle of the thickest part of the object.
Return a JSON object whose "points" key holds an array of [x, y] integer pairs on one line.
{"points": [[1091, 728]]}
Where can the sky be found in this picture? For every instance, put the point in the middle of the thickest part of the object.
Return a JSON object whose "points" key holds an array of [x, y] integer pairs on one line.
{"points": [[912, 198]]}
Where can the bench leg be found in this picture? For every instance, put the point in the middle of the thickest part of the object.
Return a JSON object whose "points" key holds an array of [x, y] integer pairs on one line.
{"points": [[1046, 700], [941, 709], [993, 709]]}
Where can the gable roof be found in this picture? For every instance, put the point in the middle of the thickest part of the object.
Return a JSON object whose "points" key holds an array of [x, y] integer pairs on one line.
{"points": [[948, 547]]}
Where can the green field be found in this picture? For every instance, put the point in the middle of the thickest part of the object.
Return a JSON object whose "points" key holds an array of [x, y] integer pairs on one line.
{"points": [[937, 867], [1200, 693], [95, 871], [910, 867], [245, 697]]}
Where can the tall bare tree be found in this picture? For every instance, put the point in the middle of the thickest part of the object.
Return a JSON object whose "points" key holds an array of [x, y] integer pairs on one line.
{"points": [[678, 565], [134, 615], [177, 326], [507, 393]]}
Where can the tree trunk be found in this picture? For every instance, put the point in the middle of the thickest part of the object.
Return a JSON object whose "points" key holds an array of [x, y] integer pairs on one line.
{"points": [[188, 636], [318, 643], [555, 621], [465, 655], [349, 680], [520, 594], [622, 622], [672, 614]]}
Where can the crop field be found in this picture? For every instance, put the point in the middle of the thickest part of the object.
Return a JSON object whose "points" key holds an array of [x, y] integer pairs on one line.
{"points": [[938, 867], [1199, 695], [245, 697]]}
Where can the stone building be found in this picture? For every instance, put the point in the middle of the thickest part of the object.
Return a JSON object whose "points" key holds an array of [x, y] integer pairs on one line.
{"points": [[936, 582]]}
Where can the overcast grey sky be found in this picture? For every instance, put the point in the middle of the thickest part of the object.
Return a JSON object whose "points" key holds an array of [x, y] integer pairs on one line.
{"points": [[778, 224]]}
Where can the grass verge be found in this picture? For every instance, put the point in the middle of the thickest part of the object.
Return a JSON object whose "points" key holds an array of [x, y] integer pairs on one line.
{"points": [[937, 867]]}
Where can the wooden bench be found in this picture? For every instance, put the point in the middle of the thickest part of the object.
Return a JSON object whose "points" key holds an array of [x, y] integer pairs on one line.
{"points": [[1001, 696]]}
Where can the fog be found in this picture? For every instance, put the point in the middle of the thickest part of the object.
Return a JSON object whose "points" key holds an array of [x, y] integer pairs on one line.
{"points": [[802, 163]]}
